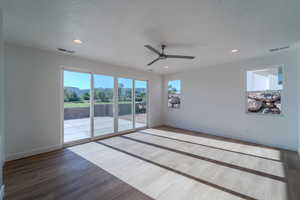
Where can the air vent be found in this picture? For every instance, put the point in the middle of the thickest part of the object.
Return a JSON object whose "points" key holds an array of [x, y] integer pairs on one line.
{"points": [[279, 49], [65, 50]]}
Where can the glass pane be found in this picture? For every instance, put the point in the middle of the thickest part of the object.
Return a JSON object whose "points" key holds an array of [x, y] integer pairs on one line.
{"points": [[264, 89], [140, 104], [103, 105], [77, 88], [174, 90], [265, 79], [125, 121]]}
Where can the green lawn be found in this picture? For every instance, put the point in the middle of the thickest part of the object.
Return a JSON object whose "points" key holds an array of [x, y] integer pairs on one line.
{"points": [[76, 105], [86, 104]]}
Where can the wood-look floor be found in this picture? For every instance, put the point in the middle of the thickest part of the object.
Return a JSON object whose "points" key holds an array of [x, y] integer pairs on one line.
{"points": [[163, 163]]}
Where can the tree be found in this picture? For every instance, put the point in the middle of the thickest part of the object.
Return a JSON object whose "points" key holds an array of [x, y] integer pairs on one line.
{"points": [[74, 97], [140, 97], [143, 96], [100, 95], [70, 95], [109, 95], [86, 96], [67, 95], [121, 91], [172, 90]]}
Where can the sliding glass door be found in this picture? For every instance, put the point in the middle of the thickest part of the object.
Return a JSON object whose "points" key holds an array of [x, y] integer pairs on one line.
{"points": [[96, 105], [77, 121], [140, 117], [103, 105], [125, 104], [132, 104]]}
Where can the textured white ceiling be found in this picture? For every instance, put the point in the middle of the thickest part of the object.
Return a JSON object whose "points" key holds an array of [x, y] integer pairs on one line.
{"points": [[114, 31]]}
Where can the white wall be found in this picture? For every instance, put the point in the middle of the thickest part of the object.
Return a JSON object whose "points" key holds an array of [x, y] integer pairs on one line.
{"points": [[32, 94], [2, 107], [213, 101]]}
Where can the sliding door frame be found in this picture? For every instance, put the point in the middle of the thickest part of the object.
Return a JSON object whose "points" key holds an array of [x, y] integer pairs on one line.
{"points": [[92, 108], [147, 104], [114, 100], [115, 106], [133, 103], [62, 70]]}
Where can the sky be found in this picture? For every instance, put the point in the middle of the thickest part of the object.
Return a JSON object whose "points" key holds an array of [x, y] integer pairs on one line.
{"points": [[82, 81]]}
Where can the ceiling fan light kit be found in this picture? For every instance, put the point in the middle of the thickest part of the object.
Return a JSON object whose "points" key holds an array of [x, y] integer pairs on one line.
{"points": [[163, 56]]}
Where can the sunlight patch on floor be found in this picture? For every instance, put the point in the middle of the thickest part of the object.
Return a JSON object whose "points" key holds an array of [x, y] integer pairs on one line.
{"points": [[232, 146], [241, 160], [154, 181], [239, 181], [162, 173]]}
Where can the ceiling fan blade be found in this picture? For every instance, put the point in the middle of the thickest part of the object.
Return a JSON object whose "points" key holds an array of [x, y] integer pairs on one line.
{"points": [[178, 56], [153, 61], [152, 49]]}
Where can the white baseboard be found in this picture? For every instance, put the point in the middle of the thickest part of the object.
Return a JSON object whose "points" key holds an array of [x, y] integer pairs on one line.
{"points": [[32, 152], [2, 192]]}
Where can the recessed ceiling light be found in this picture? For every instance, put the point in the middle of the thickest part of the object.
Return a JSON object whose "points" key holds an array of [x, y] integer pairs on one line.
{"points": [[77, 41], [234, 50], [166, 67]]}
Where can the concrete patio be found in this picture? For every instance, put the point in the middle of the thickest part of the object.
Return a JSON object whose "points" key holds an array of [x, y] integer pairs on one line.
{"points": [[77, 129]]}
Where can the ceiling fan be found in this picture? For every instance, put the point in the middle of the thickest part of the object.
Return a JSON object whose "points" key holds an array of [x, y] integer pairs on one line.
{"points": [[162, 55]]}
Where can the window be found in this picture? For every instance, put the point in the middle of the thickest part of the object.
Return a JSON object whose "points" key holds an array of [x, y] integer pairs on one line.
{"points": [[96, 105], [103, 104], [77, 106], [140, 103], [125, 101], [264, 90], [174, 90]]}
